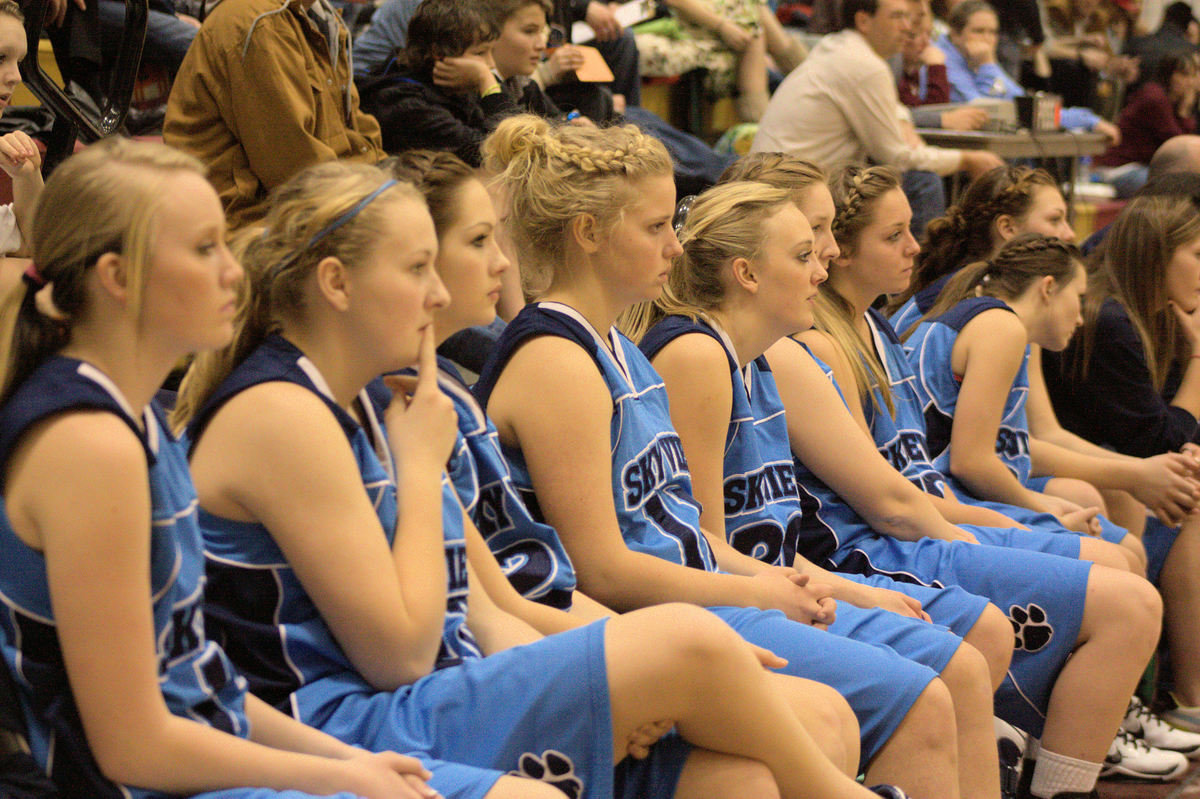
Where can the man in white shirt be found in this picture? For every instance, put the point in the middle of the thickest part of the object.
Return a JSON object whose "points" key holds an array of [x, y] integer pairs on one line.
{"points": [[840, 106]]}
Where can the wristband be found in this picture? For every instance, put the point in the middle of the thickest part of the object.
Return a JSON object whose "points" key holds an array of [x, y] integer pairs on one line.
{"points": [[495, 89]]}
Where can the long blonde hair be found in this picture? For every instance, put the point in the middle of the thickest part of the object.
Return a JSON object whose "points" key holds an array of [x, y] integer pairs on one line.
{"points": [[724, 223], [554, 175], [105, 199], [856, 191], [335, 209]]}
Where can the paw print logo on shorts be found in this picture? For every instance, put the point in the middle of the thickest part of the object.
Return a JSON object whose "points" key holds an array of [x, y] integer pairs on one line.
{"points": [[1029, 627], [553, 768]]}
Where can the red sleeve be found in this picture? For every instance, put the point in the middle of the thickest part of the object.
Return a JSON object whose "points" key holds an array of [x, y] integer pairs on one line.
{"points": [[937, 85]]}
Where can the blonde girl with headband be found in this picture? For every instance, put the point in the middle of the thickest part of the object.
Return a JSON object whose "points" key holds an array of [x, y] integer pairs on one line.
{"points": [[996, 207], [747, 277], [103, 576], [577, 409], [368, 602]]}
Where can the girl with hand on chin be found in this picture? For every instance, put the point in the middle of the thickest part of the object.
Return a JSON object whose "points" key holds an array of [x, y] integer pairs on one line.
{"points": [[368, 602]]}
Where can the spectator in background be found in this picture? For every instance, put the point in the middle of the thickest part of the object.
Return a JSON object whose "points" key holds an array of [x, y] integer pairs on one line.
{"points": [[388, 33], [1179, 33], [1083, 39], [730, 39], [973, 72], [169, 33], [1177, 154], [1162, 108], [440, 93], [617, 45], [264, 92], [921, 80], [841, 106]]}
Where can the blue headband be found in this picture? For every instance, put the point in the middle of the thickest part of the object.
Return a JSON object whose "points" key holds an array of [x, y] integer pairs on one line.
{"points": [[334, 225]]}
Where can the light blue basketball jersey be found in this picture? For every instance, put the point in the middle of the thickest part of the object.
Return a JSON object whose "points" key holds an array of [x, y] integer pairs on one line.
{"points": [[529, 551], [197, 681], [651, 486], [900, 437], [658, 516], [763, 511], [276, 634], [929, 350]]}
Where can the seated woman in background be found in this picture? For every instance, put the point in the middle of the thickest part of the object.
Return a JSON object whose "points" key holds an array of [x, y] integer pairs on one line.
{"points": [[1162, 107], [729, 38], [1130, 380], [973, 72]]}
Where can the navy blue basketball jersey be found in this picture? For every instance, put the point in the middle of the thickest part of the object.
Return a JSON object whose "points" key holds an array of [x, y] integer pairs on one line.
{"points": [[764, 511], [832, 515], [651, 486], [197, 681], [919, 304], [929, 350], [529, 551], [900, 437], [267, 621]]}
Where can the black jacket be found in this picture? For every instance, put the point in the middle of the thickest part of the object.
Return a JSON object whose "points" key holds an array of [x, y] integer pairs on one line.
{"points": [[414, 114]]}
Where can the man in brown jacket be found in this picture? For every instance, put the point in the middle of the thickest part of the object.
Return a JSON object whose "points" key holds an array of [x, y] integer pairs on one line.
{"points": [[266, 90]]}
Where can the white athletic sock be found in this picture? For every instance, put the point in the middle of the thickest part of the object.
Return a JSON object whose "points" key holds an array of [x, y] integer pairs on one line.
{"points": [[1032, 747], [1057, 774]]}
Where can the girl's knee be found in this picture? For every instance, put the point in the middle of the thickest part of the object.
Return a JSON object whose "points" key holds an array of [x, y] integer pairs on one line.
{"points": [[686, 638], [929, 723], [1080, 492], [968, 673], [522, 788], [1133, 549], [992, 636], [712, 775], [830, 715], [1124, 603], [1104, 553]]}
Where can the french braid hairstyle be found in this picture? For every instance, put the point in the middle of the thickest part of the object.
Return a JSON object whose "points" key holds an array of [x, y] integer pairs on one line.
{"points": [[855, 190], [724, 223], [967, 232], [331, 210], [1022, 261], [554, 175], [780, 170], [1133, 271]]}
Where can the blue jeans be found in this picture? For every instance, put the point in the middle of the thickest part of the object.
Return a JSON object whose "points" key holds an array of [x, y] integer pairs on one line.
{"points": [[167, 36], [926, 195]]}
